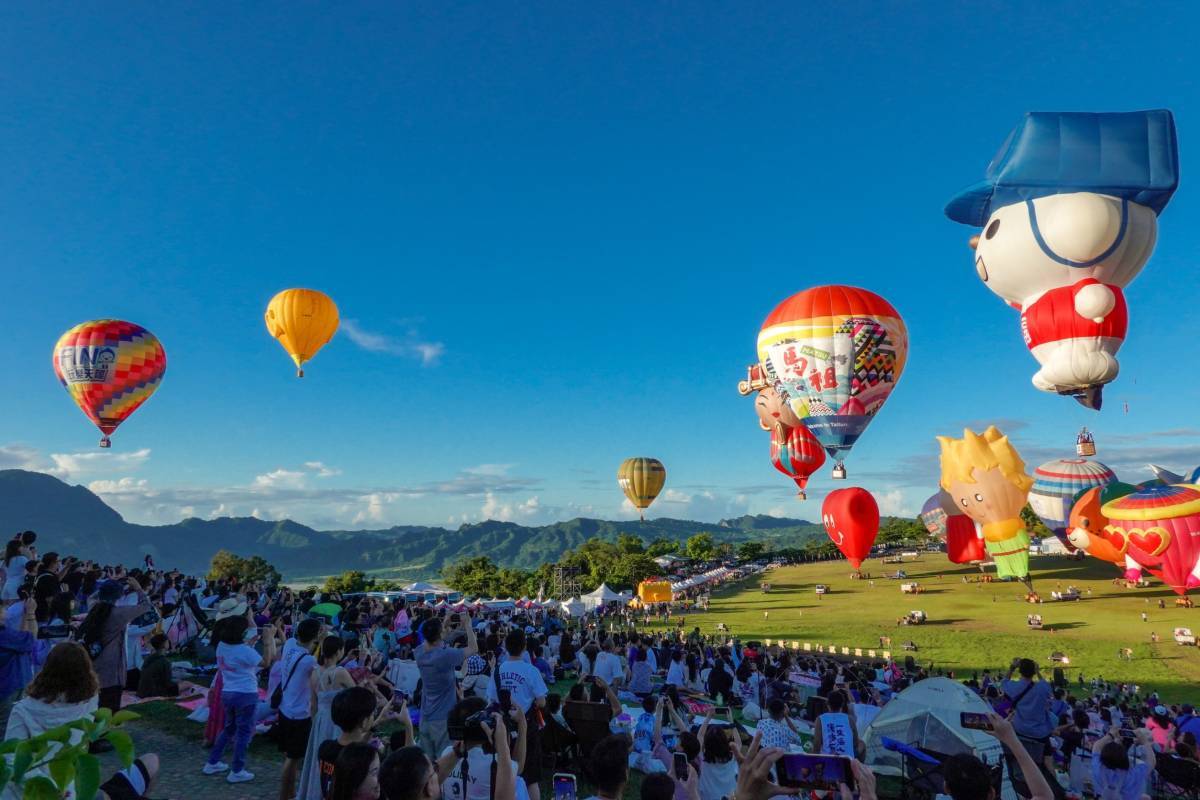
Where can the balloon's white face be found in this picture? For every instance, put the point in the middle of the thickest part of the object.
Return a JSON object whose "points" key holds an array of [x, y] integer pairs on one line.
{"points": [[1078, 227]]}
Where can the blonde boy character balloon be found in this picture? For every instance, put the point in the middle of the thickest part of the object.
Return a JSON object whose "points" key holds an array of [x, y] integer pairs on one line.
{"points": [[1069, 212], [986, 477]]}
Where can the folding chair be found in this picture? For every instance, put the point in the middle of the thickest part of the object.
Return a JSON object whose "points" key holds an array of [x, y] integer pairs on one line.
{"points": [[1177, 778]]}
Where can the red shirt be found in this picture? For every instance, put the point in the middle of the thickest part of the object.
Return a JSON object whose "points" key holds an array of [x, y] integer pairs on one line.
{"points": [[1052, 317]]}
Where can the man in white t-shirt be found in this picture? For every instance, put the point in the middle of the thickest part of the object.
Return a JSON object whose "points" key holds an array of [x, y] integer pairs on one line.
{"points": [[608, 664], [295, 719], [471, 777], [527, 688]]}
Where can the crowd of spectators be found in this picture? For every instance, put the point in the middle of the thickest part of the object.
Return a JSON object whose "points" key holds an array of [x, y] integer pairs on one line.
{"points": [[503, 699]]}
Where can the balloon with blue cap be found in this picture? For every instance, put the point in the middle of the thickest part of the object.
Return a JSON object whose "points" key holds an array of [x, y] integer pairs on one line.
{"points": [[1069, 216]]}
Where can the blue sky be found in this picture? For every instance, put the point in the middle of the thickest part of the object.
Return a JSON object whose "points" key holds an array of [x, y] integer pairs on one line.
{"points": [[553, 230]]}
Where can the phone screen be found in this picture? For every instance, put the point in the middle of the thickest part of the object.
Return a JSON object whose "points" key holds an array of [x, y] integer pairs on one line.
{"points": [[681, 766], [975, 720], [721, 711], [564, 786], [808, 771]]}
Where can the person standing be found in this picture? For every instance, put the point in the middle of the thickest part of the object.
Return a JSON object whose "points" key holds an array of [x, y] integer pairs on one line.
{"points": [[437, 664], [528, 690], [239, 664], [104, 633], [295, 715]]}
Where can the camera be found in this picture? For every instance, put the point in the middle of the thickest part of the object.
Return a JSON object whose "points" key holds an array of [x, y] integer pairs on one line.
{"points": [[470, 729]]}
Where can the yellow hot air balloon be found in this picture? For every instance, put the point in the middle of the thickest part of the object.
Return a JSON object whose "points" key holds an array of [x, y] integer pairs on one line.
{"points": [[303, 320], [641, 479]]}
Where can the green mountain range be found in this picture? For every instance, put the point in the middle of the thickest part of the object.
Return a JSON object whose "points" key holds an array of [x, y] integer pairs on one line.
{"points": [[73, 520]]}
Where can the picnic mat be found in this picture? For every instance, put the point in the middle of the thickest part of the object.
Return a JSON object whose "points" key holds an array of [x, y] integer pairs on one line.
{"points": [[187, 692]]}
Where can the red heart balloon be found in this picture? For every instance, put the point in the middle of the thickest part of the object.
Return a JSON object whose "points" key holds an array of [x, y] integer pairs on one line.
{"points": [[851, 518], [1152, 540]]}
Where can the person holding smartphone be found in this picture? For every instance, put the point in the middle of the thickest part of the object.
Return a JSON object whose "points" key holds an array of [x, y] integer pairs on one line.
{"points": [[527, 689]]}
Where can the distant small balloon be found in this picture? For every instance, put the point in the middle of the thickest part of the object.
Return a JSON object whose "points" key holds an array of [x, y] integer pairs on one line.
{"points": [[303, 320], [641, 479]]}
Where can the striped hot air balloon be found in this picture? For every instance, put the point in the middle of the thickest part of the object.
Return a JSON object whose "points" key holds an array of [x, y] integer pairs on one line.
{"points": [[109, 367], [641, 479], [1057, 483], [796, 453], [834, 353]]}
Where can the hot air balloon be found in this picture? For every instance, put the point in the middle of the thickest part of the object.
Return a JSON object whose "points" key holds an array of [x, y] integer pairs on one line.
{"points": [[110, 368], [1087, 528], [985, 476], [851, 518], [1162, 527], [963, 545], [834, 353], [641, 479], [303, 320], [1055, 486], [798, 455]]}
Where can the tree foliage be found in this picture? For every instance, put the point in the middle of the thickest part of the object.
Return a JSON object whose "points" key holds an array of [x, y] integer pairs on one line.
{"points": [[749, 551], [255, 569], [701, 546], [662, 547], [351, 580]]}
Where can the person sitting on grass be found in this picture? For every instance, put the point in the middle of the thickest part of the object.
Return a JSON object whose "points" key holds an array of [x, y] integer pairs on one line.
{"points": [[156, 678], [719, 758], [1114, 776], [608, 767], [470, 776]]}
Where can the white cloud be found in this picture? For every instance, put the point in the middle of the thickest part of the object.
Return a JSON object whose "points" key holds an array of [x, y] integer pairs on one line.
{"points": [[410, 345], [526, 511], [120, 486], [321, 470], [18, 456], [893, 503], [281, 479], [73, 465]]}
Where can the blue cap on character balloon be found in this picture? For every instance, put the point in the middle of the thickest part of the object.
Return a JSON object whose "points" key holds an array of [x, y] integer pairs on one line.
{"points": [[1130, 155]]}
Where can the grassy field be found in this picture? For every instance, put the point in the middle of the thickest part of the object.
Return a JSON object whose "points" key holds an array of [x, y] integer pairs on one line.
{"points": [[974, 626]]}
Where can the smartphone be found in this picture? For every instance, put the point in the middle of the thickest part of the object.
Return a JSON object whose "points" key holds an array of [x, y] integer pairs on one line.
{"points": [[975, 721], [589, 678], [564, 786], [809, 771], [722, 711], [505, 698], [681, 766]]}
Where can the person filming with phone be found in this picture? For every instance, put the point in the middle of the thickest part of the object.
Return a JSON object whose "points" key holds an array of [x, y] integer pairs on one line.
{"points": [[519, 682]]}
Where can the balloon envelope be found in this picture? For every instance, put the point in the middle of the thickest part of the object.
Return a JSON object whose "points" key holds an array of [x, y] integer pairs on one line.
{"points": [[934, 513], [303, 320], [798, 455], [641, 479], [963, 544], [1161, 525], [109, 367], [835, 354], [1055, 485], [851, 518]]}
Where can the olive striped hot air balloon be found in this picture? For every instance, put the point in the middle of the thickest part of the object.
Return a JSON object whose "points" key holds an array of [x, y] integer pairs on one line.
{"points": [[641, 479], [110, 367], [303, 320]]}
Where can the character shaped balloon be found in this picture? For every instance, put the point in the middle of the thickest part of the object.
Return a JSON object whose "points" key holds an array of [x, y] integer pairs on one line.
{"points": [[1087, 528], [986, 478], [1162, 527], [110, 367], [834, 354], [851, 518], [1069, 216]]}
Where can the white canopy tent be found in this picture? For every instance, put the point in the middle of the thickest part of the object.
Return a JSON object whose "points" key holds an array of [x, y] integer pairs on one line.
{"points": [[573, 607], [422, 586], [602, 595], [926, 714]]}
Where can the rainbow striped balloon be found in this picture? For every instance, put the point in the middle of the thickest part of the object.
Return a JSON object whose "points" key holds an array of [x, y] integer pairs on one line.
{"points": [[110, 368], [1055, 485]]}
